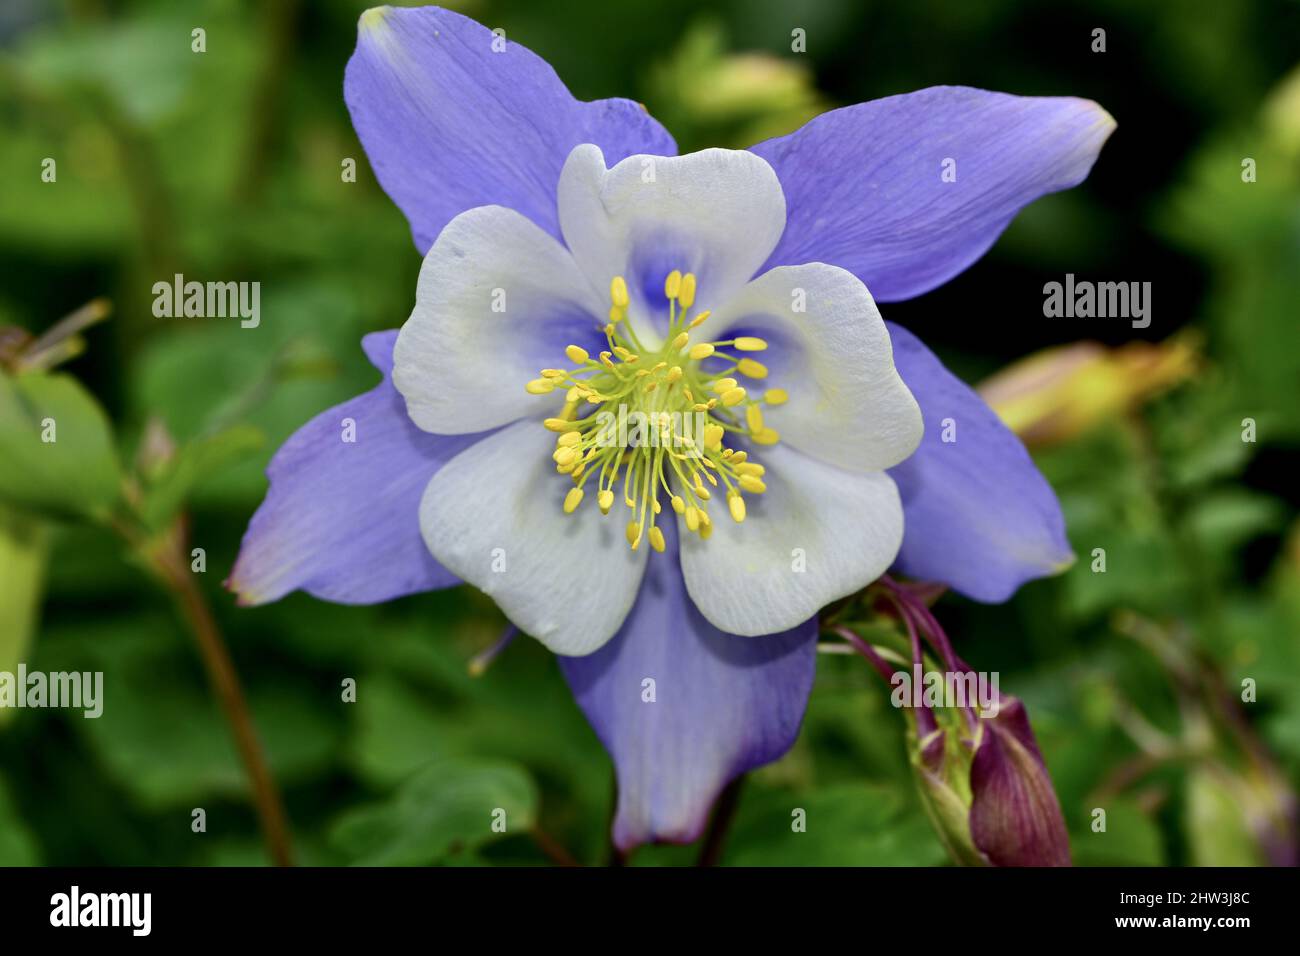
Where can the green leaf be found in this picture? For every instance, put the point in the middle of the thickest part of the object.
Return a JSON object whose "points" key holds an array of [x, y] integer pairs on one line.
{"points": [[1131, 838], [18, 845], [850, 824], [57, 446], [1218, 815], [194, 463], [446, 807], [24, 550]]}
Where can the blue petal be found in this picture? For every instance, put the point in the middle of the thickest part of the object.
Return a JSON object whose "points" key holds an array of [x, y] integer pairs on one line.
{"points": [[449, 123], [977, 513], [723, 705], [865, 190], [341, 519]]}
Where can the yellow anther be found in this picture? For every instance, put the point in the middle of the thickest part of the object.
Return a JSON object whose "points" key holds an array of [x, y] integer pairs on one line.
{"points": [[733, 397], [678, 504], [573, 395], [558, 425], [692, 518], [768, 436], [750, 343], [699, 319], [673, 284], [624, 354], [577, 355], [706, 531], [752, 483], [686, 295], [673, 375], [751, 369], [713, 436], [618, 292], [701, 492], [607, 360], [700, 407], [657, 507], [572, 500], [615, 317], [555, 373], [701, 351], [569, 439], [651, 386], [736, 505], [605, 500], [681, 340], [754, 418], [566, 456], [723, 385], [540, 386], [657, 539], [633, 533], [776, 396], [750, 468]]}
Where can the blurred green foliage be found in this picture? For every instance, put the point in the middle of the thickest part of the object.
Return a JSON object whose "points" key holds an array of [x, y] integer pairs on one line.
{"points": [[228, 164]]}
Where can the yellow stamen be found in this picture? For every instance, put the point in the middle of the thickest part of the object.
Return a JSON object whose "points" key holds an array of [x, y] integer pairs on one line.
{"points": [[576, 354], [751, 369], [686, 295], [673, 284], [776, 396], [736, 505], [749, 343], [701, 351], [618, 292], [572, 500], [657, 540]]}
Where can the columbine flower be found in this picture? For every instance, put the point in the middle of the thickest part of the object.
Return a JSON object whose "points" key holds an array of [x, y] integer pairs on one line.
{"points": [[577, 269]]}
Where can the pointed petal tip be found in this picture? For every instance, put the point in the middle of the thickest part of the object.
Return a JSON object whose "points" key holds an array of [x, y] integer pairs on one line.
{"points": [[244, 596], [372, 19]]}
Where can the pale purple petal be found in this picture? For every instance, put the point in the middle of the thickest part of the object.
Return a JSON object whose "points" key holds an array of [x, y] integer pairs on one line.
{"points": [[450, 123], [341, 519], [865, 186], [722, 705], [977, 513]]}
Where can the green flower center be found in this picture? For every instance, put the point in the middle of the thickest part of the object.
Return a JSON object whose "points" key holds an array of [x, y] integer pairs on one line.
{"points": [[656, 421]]}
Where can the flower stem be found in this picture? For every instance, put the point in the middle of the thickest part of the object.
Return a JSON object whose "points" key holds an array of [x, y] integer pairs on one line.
{"points": [[165, 558], [724, 813], [225, 682]]}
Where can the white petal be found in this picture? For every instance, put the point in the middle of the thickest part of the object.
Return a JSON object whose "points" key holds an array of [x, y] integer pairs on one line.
{"points": [[817, 534], [718, 213], [493, 516], [848, 405], [498, 300]]}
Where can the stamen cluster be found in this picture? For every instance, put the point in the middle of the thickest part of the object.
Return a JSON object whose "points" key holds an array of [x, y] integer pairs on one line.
{"points": [[648, 420]]}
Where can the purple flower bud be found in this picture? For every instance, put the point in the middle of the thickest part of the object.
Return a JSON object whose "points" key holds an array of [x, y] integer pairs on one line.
{"points": [[1015, 818]]}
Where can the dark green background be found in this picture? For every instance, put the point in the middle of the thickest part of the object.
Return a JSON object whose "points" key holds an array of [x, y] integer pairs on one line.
{"points": [[226, 164]]}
